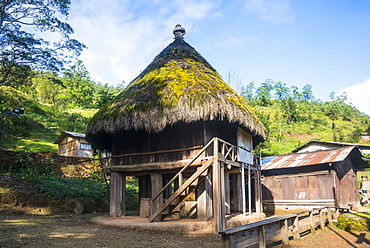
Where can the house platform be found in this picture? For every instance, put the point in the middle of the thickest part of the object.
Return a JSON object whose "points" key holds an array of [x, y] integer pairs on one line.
{"points": [[175, 225]]}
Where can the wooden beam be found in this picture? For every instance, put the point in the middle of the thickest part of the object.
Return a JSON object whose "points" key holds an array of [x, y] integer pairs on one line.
{"points": [[204, 212], [152, 166], [156, 186], [117, 195], [227, 192]]}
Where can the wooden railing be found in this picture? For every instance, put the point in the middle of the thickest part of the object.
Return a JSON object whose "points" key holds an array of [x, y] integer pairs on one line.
{"points": [[216, 150], [229, 151], [258, 233]]}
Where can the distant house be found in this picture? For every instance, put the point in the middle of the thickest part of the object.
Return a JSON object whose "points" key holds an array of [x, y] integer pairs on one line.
{"points": [[312, 179], [365, 138], [72, 144], [317, 145]]}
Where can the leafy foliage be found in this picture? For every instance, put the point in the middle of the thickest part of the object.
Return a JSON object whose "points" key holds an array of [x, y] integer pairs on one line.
{"points": [[69, 187], [354, 222], [22, 51], [293, 117]]}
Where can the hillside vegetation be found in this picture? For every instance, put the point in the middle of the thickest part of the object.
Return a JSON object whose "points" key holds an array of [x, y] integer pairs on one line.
{"points": [[293, 117], [53, 104]]}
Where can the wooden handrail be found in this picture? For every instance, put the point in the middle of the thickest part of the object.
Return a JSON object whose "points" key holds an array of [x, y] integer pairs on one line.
{"points": [[183, 169], [214, 139], [240, 234]]}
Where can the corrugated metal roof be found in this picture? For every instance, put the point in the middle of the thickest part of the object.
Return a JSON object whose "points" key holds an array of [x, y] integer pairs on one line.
{"points": [[80, 135], [305, 159], [67, 133], [337, 144]]}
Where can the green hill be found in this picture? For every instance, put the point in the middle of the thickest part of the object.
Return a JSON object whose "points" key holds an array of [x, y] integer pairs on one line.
{"points": [[291, 117], [40, 125]]}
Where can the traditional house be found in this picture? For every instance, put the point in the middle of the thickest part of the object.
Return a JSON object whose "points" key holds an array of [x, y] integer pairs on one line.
{"points": [[312, 179], [72, 144], [317, 145], [179, 128]]}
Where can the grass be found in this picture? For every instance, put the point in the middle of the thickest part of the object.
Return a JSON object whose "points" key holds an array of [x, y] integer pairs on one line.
{"points": [[363, 214], [36, 142], [84, 112]]}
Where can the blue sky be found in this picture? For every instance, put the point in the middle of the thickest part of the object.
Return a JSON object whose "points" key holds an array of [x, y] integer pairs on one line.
{"points": [[322, 43]]}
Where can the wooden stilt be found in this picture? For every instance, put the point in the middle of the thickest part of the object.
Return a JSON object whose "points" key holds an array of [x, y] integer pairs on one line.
{"points": [[249, 191], [117, 195], [243, 189], [204, 199], [227, 193], [156, 185]]}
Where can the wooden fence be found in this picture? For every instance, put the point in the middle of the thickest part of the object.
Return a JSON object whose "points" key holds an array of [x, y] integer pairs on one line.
{"points": [[258, 233]]}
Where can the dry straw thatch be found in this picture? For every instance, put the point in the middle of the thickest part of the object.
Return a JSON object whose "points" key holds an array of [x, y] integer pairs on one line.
{"points": [[178, 86]]}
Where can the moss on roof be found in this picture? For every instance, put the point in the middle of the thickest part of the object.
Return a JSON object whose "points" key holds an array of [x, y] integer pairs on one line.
{"points": [[179, 85]]}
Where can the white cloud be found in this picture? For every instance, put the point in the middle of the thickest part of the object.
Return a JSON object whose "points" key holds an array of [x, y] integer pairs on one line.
{"points": [[123, 37], [359, 95], [276, 11]]}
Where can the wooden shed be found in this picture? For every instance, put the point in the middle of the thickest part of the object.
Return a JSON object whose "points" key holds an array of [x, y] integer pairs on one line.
{"points": [[180, 129], [312, 179], [71, 144]]}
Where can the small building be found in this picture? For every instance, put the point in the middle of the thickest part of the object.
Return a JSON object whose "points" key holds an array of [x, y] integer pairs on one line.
{"points": [[317, 145], [365, 138], [181, 130], [312, 179], [71, 144]]}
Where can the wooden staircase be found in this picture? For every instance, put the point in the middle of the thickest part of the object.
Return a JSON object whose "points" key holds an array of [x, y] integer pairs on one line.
{"points": [[176, 198]]}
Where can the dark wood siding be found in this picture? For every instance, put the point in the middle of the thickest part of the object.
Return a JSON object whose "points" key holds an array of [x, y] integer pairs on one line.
{"points": [[179, 136]]}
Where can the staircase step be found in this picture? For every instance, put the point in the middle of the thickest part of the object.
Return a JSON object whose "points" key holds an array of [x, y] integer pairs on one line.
{"points": [[183, 188]]}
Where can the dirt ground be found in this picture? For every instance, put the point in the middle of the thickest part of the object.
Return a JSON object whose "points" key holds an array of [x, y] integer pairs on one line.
{"points": [[75, 231]]}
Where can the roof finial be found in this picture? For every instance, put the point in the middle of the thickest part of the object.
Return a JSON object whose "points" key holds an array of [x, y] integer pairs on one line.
{"points": [[179, 32]]}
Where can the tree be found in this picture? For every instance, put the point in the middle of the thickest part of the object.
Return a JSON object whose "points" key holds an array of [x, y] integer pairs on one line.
{"points": [[48, 88], [297, 96], [263, 93], [79, 87], [19, 48], [234, 81], [289, 108], [307, 94], [281, 90], [247, 92]]}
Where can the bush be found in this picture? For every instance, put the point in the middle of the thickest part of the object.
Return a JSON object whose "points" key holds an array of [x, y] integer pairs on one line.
{"points": [[353, 223], [64, 187]]}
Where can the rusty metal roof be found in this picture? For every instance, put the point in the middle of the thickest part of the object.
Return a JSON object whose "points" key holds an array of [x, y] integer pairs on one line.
{"points": [[305, 159]]}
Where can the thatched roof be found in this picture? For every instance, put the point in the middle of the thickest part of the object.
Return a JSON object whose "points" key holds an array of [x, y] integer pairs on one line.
{"points": [[178, 86]]}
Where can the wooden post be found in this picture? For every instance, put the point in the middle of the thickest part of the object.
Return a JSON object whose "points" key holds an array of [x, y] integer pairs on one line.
{"points": [[216, 189], [295, 231], [312, 222], [180, 180], [243, 188], [258, 191], [249, 191], [330, 216], [337, 213], [321, 216], [223, 198], [204, 212], [261, 237], [285, 233], [156, 183], [227, 192], [117, 195]]}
